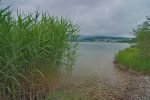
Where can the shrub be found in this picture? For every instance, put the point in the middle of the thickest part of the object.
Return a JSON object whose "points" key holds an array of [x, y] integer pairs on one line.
{"points": [[143, 38]]}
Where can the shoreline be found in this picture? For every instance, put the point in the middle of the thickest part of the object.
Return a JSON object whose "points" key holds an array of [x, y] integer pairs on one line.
{"points": [[124, 68]]}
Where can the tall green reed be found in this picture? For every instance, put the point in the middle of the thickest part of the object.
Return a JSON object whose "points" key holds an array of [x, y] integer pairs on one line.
{"points": [[27, 41], [132, 59]]}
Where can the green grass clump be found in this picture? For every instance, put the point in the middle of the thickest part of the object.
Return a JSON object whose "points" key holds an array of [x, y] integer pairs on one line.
{"points": [[132, 58], [29, 41], [60, 95]]}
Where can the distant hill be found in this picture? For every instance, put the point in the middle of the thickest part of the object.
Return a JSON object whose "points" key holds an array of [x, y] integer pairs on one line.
{"points": [[93, 38]]}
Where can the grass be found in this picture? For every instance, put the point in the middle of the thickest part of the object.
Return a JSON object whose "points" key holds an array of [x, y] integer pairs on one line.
{"points": [[60, 95], [27, 43], [132, 58]]}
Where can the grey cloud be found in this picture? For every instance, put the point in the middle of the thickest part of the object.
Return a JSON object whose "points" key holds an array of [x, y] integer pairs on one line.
{"points": [[103, 17]]}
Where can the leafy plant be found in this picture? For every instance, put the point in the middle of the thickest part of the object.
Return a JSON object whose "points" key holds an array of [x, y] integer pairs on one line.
{"points": [[143, 38], [27, 42]]}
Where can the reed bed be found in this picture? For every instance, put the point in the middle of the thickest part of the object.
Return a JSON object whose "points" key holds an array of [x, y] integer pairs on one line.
{"points": [[132, 59], [27, 43]]}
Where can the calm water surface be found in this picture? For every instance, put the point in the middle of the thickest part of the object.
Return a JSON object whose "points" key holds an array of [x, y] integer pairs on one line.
{"points": [[94, 64]]}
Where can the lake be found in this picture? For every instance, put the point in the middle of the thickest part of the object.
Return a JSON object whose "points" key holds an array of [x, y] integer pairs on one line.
{"points": [[93, 70]]}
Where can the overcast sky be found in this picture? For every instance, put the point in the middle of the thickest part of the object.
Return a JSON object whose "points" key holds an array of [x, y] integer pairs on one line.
{"points": [[95, 17]]}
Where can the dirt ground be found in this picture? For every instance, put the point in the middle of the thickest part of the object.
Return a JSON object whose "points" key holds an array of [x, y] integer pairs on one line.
{"points": [[130, 86]]}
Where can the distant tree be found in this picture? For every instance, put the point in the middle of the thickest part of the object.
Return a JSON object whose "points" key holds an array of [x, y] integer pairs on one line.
{"points": [[143, 38]]}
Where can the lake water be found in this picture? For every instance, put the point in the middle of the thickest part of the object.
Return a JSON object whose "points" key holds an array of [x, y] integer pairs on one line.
{"points": [[95, 60], [94, 67]]}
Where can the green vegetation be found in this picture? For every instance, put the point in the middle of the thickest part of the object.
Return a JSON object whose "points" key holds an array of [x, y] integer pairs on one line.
{"points": [[29, 44], [143, 38], [59, 95], [131, 59], [138, 56]]}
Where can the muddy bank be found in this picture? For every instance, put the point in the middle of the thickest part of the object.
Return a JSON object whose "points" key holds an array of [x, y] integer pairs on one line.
{"points": [[133, 86], [128, 87]]}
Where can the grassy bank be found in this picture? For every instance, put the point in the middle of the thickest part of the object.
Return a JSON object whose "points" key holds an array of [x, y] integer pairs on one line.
{"points": [[131, 59], [138, 57], [29, 44]]}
